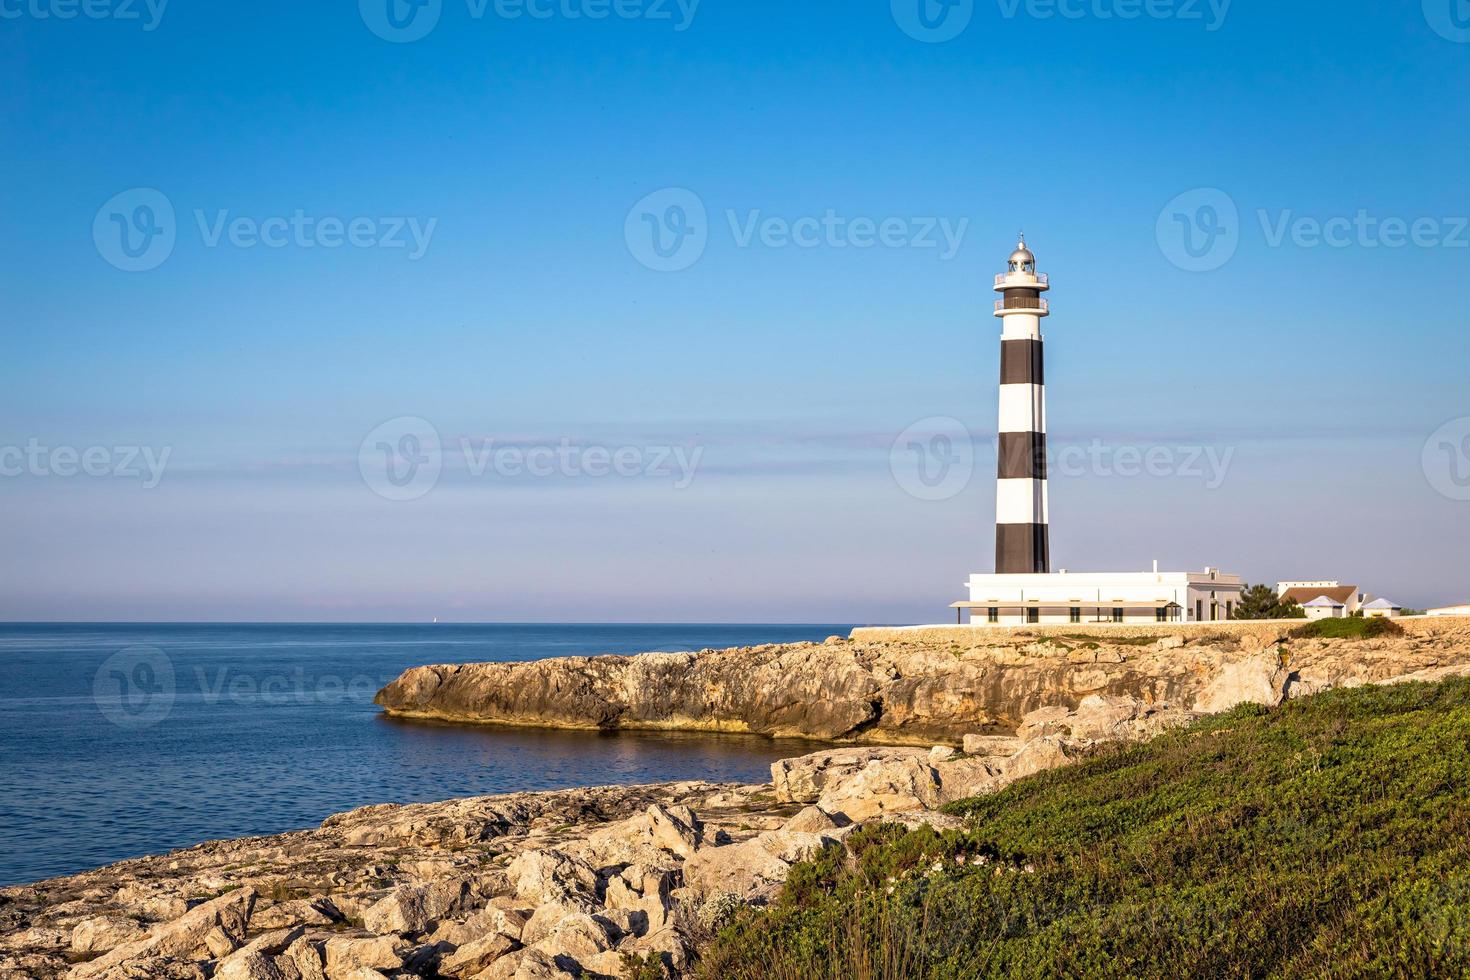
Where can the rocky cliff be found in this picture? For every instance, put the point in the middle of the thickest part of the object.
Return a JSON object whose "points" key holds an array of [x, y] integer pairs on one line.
{"points": [[913, 687]]}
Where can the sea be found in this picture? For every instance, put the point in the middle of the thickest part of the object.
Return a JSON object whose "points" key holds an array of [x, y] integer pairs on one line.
{"points": [[118, 741]]}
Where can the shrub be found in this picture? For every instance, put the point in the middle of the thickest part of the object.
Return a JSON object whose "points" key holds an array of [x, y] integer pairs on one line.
{"points": [[1351, 628], [1329, 837]]}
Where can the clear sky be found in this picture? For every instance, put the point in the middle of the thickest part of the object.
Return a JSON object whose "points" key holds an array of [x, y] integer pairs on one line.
{"points": [[668, 286]]}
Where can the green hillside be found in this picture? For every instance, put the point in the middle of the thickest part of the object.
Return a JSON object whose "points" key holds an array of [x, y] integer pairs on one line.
{"points": [[1327, 838]]}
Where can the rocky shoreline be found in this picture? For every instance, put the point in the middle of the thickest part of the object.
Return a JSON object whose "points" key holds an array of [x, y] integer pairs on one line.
{"points": [[568, 883], [903, 687]]}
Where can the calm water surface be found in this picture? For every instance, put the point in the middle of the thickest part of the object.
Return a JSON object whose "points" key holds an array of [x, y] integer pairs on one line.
{"points": [[119, 741]]}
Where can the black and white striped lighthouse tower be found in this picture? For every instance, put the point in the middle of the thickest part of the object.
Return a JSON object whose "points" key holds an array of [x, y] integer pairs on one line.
{"points": [[1021, 544]]}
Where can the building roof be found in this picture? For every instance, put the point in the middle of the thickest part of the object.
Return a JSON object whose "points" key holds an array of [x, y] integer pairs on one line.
{"points": [[1321, 601], [1341, 593], [1382, 604]]}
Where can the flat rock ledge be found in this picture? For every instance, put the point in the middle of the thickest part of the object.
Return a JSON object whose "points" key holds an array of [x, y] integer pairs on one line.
{"points": [[531, 886], [909, 687]]}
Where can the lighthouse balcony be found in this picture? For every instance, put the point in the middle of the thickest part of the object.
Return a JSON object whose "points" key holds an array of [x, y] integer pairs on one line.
{"points": [[1022, 280], [1022, 304]]}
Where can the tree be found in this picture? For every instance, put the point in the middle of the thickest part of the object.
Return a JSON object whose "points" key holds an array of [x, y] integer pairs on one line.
{"points": [[1262, 602]]}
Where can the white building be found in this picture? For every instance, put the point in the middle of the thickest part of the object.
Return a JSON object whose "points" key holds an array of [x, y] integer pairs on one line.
{"points": [[1450, 610], [1382, 609], [1350, 597], [1324, 607], [1101, 597]]}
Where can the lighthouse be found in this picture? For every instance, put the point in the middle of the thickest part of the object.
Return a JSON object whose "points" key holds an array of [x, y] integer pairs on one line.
{"points": [[1023, 590], [1021, 539]]}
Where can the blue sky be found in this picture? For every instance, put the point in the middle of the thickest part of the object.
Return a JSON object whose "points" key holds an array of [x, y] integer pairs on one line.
{"points": [[1325, 380]]}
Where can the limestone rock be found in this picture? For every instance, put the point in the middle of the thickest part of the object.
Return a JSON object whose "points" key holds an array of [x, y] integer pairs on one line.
{"points": [[344, 954], [803, 779], [752, 870], [545, 876], [1259, 680], [476, 956], [883, 786], [991, 745], [102, 933]]}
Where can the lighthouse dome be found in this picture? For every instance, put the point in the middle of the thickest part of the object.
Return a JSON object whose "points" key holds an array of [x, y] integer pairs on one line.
{"points": [[1021, 259]]}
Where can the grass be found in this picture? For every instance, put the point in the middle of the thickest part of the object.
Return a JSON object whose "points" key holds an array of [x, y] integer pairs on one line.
{"points": [[1327, 838]]}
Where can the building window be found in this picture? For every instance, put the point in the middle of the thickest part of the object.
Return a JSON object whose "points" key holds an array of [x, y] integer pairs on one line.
{"points": [[1117, 615], [1033, 615], [1199, 610], [1161, 614], [1229, 609], [993, 614], [1074, 615], [1214, 611]]}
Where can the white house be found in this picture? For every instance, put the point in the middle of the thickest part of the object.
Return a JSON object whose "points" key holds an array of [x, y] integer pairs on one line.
{"points": [[1382, 609], [1100, 597], [1324, 607], [1301, 593]]}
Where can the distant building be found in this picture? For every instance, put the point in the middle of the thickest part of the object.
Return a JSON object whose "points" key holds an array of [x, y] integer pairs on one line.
{"points": [[1323, 607], [1304, 592], [1463, 610], [1382, 609]]}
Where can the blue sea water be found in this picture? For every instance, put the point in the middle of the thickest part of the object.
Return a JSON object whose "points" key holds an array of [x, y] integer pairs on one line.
{"points": [[123, 740]]}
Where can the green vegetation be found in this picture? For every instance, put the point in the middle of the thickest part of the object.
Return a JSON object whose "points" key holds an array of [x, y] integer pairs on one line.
{"points": [[1351, 628], [1262, 602], [1327, 838]]}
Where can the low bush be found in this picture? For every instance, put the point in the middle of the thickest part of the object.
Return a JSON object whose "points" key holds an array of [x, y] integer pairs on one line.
{"points": [[1327, 838], [1351, 628]]}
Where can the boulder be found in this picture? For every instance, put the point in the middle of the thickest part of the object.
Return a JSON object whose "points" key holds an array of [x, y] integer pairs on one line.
{"points": [[102, 933], [752, 870], [248, 965], [1258, 680], [476, 956], [344, 954], [991, 745], [813, 820], [803, 779], [544, 876], [411, 909], [892, 785], [209, 931]]}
